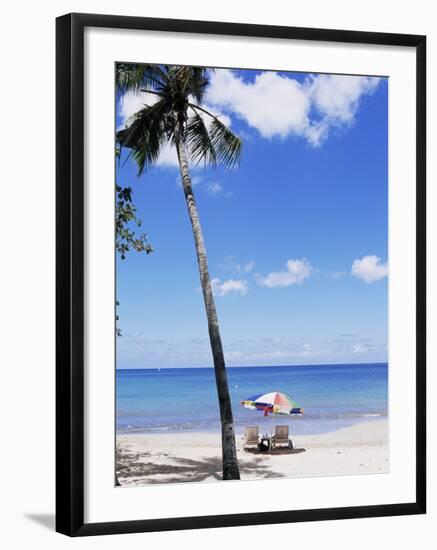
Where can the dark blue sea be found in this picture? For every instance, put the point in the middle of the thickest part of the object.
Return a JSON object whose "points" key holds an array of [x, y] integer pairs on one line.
{"points": [[332, 396]]}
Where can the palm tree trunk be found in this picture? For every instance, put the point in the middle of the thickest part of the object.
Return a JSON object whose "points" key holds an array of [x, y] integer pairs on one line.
{"points": [[230, 463]]}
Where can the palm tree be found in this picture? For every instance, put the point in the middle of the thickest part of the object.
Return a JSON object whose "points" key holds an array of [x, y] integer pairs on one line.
{"points": [[178, 118]]}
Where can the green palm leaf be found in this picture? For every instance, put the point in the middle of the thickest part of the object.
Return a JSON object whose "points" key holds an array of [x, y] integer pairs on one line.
{"points": [[228, 145], [134, 76], [199, 142], [196, 83], [146, 135]]}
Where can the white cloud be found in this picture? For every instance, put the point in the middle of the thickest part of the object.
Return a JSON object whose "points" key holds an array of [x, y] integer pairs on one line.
{"points": [[233, 355], [168, 157], [138, 349], [336, 99], [195, 180], [259, 352], [337, 96], [295, 273], [249, 266], [227, 287], [369, 269], [273, 104], [230, 264], [132, 102], [280, 106], [360, 348], [214, 188]]}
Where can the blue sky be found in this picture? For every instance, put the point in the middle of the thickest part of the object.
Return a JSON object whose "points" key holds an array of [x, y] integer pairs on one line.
{"points": [[296, 236]]}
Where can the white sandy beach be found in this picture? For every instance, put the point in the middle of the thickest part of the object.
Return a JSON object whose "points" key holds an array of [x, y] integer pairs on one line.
{"points": [[175, 457]]}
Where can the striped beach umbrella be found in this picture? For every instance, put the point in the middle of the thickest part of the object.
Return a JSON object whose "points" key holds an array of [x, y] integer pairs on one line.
{"points": [[272, 403]]}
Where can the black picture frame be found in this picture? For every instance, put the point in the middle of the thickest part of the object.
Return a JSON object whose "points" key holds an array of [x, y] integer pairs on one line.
{"points": [[70, 273]]}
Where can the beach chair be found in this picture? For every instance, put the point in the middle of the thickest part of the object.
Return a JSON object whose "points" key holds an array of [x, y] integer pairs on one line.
{"points": [[280, 439], [251, 437]]}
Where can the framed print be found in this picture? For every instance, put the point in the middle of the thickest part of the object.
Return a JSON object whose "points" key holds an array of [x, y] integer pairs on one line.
{"points": [[240, 274]]}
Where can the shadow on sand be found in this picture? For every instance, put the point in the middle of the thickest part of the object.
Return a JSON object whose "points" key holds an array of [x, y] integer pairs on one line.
{"points": [[136, 468]]}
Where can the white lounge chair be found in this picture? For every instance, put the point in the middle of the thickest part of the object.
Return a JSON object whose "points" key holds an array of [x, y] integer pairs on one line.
{"points": [[280, 439], [251, 437]]}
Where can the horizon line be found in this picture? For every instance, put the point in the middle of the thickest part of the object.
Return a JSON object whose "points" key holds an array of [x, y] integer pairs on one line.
{"points": [[260, 366]]}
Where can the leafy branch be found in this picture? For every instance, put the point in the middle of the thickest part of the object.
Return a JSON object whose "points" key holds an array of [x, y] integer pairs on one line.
{"points": [[126, 238]]}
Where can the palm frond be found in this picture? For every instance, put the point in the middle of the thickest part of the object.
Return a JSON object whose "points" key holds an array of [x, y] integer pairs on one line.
{"points": [[146, 135], [196, 83], [133, 76], [198, 139], [228, 145]]}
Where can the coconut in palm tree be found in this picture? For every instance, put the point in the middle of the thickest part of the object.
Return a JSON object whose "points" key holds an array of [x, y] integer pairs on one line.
{"points": [[177, 117]]}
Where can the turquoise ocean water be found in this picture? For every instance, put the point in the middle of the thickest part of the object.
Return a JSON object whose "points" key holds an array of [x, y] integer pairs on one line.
{"points": [[333, 397]]}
